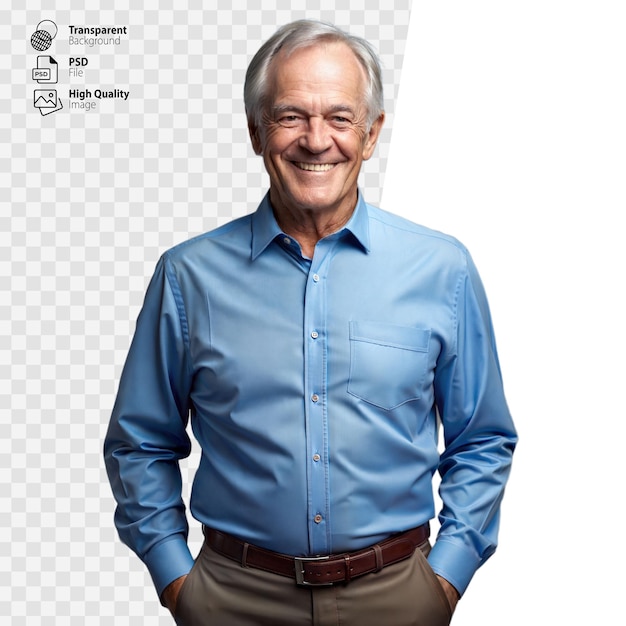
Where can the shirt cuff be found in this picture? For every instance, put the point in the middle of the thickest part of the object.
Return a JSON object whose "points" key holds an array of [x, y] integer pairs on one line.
{"points": [[454, 562], [168, 561]]}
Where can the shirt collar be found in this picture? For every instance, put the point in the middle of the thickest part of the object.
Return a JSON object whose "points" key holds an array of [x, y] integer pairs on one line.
{"points": [[265, 228]]}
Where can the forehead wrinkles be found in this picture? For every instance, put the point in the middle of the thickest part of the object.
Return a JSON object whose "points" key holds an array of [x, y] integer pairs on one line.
{"points": [[321, 73]]}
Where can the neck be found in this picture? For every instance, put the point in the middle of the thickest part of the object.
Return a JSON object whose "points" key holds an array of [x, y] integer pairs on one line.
{"points": [[308, 226]]}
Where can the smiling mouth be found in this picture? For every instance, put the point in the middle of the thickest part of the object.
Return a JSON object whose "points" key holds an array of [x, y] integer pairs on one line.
{"points": [[315, 167]]}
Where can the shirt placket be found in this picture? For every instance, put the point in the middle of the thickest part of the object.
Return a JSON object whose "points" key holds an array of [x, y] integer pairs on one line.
{"points": [[316, 390]]}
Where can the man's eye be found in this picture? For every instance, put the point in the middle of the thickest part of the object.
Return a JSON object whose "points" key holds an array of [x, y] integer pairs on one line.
{"points": [[289, 120]]}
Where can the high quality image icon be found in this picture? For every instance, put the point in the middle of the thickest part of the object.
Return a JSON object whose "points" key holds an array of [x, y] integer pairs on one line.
{"points": [[47, 101]]}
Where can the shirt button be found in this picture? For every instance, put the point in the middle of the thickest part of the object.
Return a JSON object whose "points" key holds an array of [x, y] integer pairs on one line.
{"points": [[287, 241], [318, 518], [316, 457], [315, 397], [314, 334], [316, 278]]}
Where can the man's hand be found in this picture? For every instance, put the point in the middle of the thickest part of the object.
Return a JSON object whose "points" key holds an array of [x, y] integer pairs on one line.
{"points": [[170, 593], [451, 593]]}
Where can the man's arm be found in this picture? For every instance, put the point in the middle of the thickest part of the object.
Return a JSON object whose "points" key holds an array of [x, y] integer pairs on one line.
{"points": [[479, 439], [147, 435]]}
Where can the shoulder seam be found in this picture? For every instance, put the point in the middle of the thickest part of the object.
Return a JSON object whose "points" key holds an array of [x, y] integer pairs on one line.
{"points": [[172, 281], [419, 230]]}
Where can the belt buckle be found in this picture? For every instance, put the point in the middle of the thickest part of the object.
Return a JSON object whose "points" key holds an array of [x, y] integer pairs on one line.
{"points": [[299, 562]]}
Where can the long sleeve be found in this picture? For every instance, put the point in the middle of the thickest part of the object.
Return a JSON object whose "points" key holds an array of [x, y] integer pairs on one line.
{"points": [[479, 439], [147, 434]]}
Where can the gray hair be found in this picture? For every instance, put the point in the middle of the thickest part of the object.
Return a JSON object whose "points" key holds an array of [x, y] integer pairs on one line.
{"points": [[302, 34]]}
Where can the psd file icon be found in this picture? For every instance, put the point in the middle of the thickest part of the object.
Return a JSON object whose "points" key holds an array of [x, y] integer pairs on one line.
{"points": [[47, 70], [47, 101]]}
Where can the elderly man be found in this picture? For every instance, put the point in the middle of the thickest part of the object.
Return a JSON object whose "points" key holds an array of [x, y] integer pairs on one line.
{"points": [[317, 345]]}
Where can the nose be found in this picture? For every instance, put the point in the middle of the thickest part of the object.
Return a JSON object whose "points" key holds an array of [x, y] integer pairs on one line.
{"points": [[316, 137]]}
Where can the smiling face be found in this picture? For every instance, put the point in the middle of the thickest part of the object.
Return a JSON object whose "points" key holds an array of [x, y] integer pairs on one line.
{"points": [[315, 135]]}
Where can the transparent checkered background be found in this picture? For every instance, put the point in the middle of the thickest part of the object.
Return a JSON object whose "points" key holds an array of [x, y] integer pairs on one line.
{"points": [[88, 202]]}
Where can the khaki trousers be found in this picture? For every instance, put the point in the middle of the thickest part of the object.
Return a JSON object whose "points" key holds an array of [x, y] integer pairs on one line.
{"points": [[220, 592]]}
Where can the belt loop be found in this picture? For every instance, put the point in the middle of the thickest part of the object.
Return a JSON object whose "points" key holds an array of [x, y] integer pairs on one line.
{"points": [[348, 569], [244, 555], [379, 557]]}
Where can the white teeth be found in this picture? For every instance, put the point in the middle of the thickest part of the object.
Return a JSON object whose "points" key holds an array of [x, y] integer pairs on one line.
{"points": [[315, 167]]}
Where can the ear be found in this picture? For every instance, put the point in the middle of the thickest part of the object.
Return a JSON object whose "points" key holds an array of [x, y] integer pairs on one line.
{"points": [[372, 136], [257, 146]]}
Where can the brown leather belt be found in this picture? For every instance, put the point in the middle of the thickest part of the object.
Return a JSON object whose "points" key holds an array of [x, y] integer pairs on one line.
{"points": [[320, 570]]}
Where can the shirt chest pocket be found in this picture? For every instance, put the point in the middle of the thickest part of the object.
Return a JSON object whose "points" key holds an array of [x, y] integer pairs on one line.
{"points": [[388, 363]]}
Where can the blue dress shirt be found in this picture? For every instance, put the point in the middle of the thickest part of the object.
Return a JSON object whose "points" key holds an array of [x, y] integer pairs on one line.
{"points": [[315, 389]]}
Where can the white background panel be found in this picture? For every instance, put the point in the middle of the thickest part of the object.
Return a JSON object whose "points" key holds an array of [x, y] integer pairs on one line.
{"points": [[510, 134]]}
